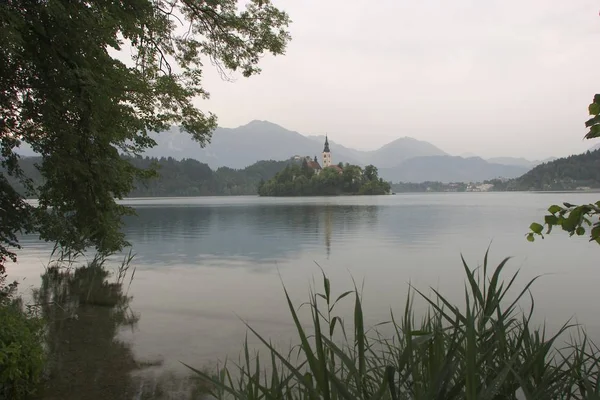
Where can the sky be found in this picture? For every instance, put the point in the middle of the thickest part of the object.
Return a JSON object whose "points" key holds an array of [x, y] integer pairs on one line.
{"points": [[492, 78]]}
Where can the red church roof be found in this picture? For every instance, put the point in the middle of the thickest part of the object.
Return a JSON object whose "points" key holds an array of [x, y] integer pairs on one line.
{"points": [[313, 164]]}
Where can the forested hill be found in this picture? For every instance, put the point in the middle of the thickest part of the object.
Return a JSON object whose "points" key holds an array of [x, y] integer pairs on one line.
{"points": [[187, 177], [569, 173]]}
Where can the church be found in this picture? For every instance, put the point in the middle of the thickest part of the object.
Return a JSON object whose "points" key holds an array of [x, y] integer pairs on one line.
{"points": [[326, 159]]}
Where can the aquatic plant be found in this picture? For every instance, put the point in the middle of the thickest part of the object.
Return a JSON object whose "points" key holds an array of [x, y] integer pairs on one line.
{"points": [[487, 348], [22, 355]]}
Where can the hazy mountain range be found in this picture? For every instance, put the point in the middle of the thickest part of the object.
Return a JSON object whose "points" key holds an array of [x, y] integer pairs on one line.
{"points": [[520, 162], [448, 169], [405, 159], [262, 140]]}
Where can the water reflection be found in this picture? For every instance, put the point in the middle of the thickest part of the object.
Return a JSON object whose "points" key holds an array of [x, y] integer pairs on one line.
{"points": [[190, 308], [85, 313], [256, 234]]}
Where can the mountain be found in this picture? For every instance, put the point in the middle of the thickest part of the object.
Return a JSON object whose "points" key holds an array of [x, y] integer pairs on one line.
{"points": [[263, 140], [519, 162], [449, 169], [187, 177], [545, 160], [244, 145], [568, 173], [358, 155], [390, 154], [401, 150]]}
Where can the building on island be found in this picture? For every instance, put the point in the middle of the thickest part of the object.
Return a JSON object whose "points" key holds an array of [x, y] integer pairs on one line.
{"points": [[326, 154], [313, 164], [326, 160]]}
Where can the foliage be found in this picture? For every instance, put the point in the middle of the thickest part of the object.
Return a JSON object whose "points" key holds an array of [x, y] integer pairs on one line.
{"points": [[594, 122], [577, 219], [22, 353], [570, 218], [247, 180], [485, 349], [568, 173], [182, 178], [192, 178], [302, 180], [64, 92], [14, 218]]}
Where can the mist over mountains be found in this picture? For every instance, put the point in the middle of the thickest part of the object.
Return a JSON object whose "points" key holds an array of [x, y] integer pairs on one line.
{"points": [[448, 169], [263, 140], [519, 161], [403, 160]]}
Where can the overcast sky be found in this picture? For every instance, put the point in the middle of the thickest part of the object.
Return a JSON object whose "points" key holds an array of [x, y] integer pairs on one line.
{"points": [[490, 77]]}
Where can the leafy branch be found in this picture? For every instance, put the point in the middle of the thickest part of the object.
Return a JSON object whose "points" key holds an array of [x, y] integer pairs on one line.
{"points": [[572, 218]]}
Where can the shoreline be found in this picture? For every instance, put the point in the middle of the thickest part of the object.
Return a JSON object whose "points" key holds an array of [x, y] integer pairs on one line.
{"points": [[357, 195]]}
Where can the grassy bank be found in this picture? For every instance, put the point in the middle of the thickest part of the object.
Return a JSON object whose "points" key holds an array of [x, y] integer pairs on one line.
{"points": [[486, 348]]}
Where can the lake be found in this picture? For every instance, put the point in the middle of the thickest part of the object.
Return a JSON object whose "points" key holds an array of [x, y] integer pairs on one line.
{"points": [[205, 264]]}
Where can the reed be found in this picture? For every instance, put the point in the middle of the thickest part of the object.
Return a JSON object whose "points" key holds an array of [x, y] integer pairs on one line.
{"points": [[487, 348]]}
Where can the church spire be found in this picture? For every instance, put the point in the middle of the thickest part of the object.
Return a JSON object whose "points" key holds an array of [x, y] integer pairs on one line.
{"points": [[326, 154]]}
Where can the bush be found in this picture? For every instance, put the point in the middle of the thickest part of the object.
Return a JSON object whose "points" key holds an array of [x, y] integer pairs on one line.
{"points": [[485, 349], [22, 355]]}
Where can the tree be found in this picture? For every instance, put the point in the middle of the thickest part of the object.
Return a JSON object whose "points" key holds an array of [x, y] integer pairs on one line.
{"points": [[292, 181], [371, 172], [64, 92], [352, 177], [570, 217], [329, 182]]}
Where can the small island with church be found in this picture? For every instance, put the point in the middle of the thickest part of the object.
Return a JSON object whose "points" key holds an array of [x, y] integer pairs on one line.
{"points": [[306, 177]]}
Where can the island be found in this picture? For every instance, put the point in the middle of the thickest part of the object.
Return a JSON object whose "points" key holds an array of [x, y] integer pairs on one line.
{"points": [[306, 177]]}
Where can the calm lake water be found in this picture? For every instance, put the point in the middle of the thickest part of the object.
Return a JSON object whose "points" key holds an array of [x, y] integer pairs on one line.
{"points": [[205, 264]]}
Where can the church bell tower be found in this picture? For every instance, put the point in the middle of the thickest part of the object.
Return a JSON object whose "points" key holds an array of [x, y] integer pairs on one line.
{"points": [[326, 154]]}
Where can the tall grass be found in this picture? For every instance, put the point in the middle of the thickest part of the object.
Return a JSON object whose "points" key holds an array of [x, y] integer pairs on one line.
{"points": [[487, 348]]}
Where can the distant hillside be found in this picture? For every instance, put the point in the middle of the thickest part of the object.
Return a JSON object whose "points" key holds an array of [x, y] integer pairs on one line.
{"points": [[263, 140], [447, 169], [400, 150], [244, 145], [187, 177], [569, 173], [520, 162]]}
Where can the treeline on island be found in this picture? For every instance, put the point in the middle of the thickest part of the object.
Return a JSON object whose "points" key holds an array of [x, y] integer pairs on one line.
{"points": [[581, 171], [302, 180], [187, 177]]}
